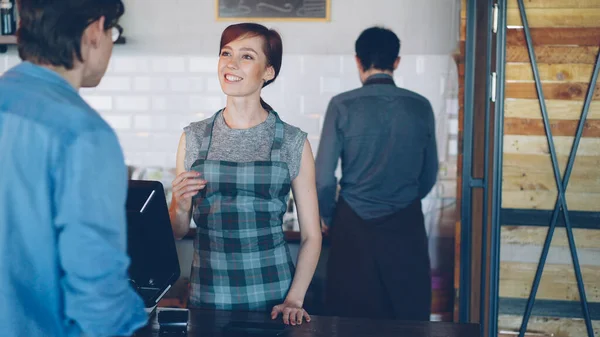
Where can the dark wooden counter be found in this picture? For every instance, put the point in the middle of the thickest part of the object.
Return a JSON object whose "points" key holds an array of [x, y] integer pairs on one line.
{"points": [[208, 323]]}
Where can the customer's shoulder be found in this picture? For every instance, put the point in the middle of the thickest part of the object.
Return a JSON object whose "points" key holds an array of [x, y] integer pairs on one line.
{"points": [[81, 119], [70, 117]]}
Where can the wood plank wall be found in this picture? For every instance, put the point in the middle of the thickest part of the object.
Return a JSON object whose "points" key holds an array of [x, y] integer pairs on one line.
{"points": [[459, 58], [566, 35]]}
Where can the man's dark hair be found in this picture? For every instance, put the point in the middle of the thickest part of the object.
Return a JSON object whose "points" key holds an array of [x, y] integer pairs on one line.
{"points": [[50, 31], [377, 48]]}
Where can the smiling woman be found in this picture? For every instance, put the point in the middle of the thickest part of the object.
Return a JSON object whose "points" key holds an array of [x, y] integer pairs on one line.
{"points": [[235, 171], [260, 52]]}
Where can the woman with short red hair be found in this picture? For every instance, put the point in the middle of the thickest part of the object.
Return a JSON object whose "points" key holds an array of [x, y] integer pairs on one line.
{"points": [[234, 174]]}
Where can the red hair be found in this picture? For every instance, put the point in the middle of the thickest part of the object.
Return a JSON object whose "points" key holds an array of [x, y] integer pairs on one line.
{"points": [[272, 45]]}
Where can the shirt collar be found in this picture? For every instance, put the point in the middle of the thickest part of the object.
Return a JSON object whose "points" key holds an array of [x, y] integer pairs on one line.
{"points": [[380, 78]]}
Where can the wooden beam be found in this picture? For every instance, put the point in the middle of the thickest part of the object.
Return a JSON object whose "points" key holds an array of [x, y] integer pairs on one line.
{"points": [[562, 91], [544, 326], [540, 163], [519, 180], [555, 36], [556, 17], [539, 145], [519, 72], [528, 235], [535, 127], [547, 199], [557, 109], [553, 54], [545, 182], [556, 4], [557, 255], [558, 281], [522, 172]]}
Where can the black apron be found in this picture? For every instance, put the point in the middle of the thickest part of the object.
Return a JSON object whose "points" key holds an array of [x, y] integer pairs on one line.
{"points": [[379, 268]]}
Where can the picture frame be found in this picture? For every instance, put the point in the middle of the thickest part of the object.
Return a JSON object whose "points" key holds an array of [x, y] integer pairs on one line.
{"points": [[273, 10]]}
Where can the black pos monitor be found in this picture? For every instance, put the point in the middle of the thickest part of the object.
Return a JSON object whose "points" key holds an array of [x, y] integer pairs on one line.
{"points": [[154, 266]]}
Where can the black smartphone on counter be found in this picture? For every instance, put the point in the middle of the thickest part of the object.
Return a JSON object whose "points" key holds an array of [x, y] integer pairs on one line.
{"points": [[254, 329], [173, 317]]}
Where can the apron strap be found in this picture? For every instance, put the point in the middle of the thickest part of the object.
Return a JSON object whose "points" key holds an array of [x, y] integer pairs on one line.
{"points": [[277, 139], [207, 137]]}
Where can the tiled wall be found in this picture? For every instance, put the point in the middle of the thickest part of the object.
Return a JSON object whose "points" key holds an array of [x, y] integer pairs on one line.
{"points": [[428, 27], [165, 76], [148, 99]]}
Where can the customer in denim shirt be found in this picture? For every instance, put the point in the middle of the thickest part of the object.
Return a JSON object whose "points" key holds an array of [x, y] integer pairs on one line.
{"points": [[63, 181]]}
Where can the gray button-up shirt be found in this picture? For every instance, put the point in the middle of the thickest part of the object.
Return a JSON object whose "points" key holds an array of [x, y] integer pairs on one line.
{"points": [[385, 137]]}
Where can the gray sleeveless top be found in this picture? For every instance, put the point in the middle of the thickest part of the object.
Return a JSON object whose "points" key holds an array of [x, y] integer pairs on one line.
{"points": [[245, 145]]}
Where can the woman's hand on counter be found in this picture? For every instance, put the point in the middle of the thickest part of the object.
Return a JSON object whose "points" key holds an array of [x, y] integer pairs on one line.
{"points": [[292, 312]]}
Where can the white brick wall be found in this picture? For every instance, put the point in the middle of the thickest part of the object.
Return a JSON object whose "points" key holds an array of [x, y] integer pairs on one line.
{"points": [[148, 99]]}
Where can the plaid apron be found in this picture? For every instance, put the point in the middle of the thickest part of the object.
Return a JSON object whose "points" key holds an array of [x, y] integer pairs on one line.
{"points": [[241, 260]]}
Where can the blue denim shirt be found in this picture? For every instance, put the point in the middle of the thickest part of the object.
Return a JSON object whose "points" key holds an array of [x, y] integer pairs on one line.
{"points": [[63, 185], [385, 137]]}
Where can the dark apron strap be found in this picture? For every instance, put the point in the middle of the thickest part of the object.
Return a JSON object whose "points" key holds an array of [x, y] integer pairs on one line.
{"points": [[207, 137], [277, 139]]}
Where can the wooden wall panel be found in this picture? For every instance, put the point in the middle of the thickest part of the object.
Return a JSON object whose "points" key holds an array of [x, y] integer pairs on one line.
{"points": [[535, 173], [545, 200], [459, 58], [539, 145], [556, 17], [527, 235], [518, 164], [561, 127], [557, 109], [523, 72], [566, 36], [555, 36], [560, 91], [553, 54], [557, 283], [556, 4]]}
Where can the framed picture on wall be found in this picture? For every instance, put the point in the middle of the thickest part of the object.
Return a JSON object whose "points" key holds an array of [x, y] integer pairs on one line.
{"points": [[273, 10]]}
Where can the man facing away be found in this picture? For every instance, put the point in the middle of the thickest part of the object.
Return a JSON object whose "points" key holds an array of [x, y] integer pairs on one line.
{"points": [[379, 262], [63, 181]]}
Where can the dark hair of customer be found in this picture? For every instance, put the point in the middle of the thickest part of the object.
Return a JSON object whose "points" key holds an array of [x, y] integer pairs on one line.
{"points": [[50, 31]]}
